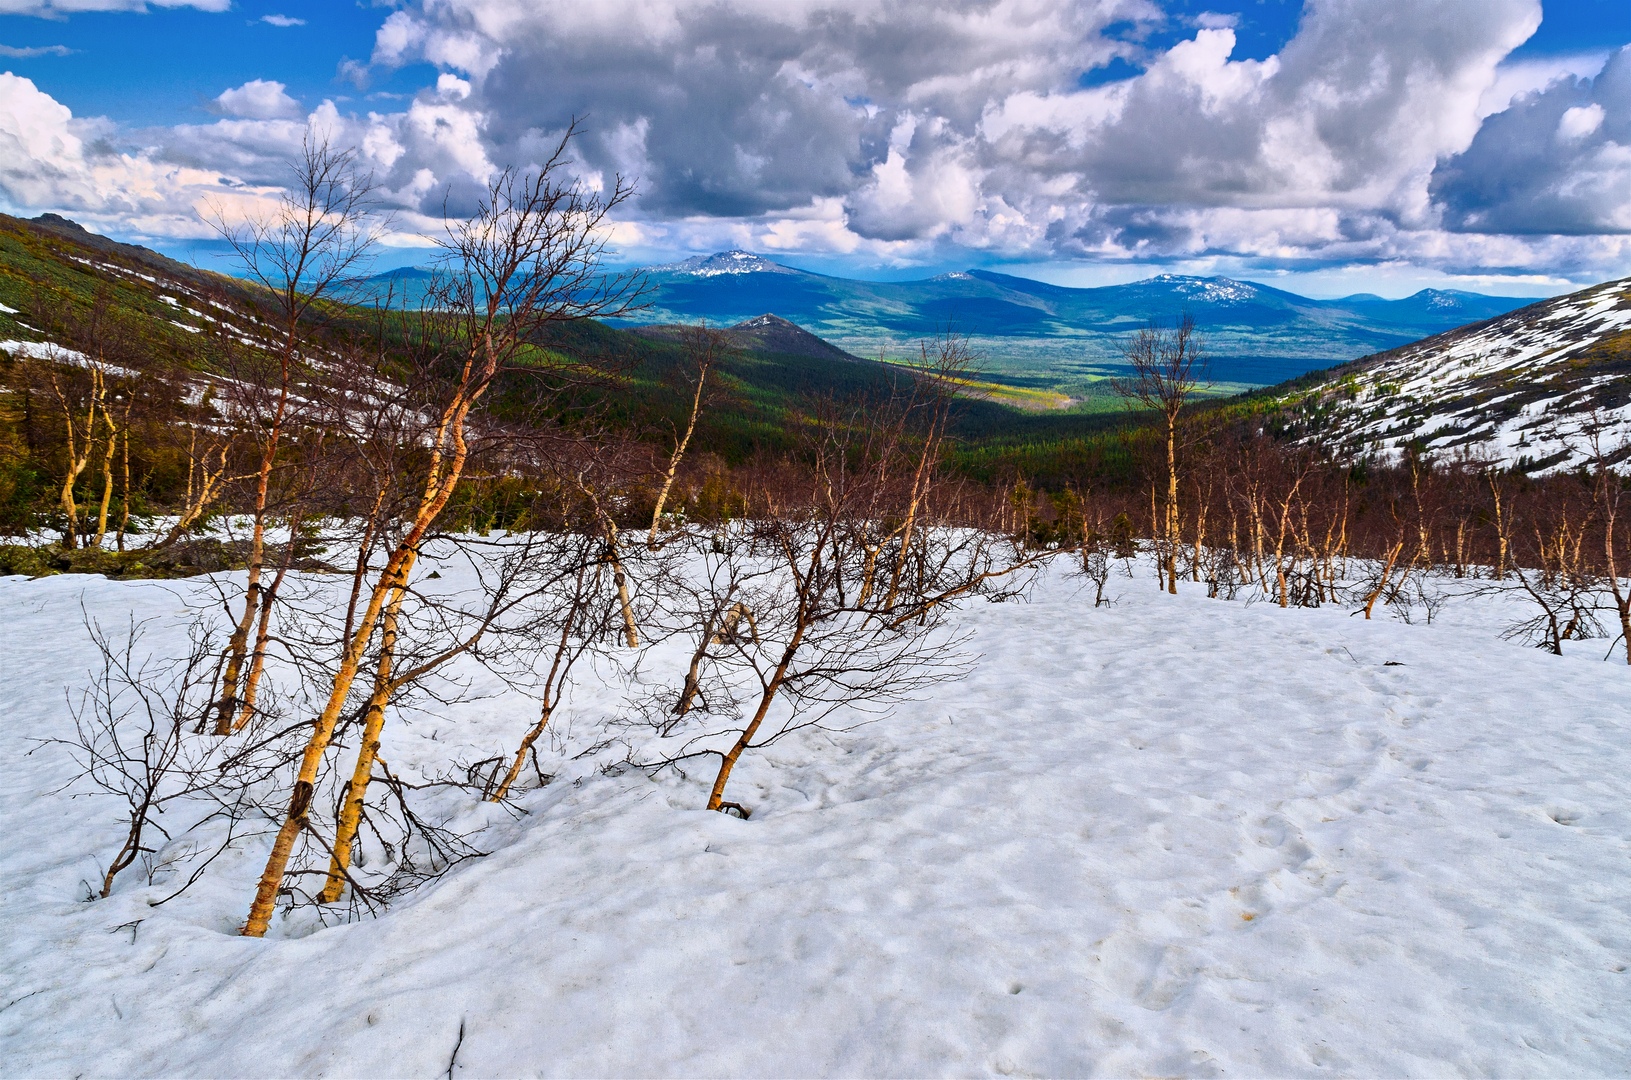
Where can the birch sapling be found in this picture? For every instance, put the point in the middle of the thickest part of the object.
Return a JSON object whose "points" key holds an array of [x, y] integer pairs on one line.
{"points": [[703, 346], [79, 445], [1168, 369]]}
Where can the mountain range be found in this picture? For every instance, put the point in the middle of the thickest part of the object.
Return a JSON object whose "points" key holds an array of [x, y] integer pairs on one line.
{"points": [[1522, 387], [1040, 333]]}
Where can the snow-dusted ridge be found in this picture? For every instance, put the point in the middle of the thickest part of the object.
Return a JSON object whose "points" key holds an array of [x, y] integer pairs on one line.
{"points": [[724, 262], [1223, 291], [1525, 389]]}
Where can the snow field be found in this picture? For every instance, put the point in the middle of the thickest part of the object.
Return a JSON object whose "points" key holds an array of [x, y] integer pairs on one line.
{"points": [[1177, 836]]}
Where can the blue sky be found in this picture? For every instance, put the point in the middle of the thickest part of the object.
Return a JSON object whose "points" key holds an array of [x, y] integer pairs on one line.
{"points": [[1084, 143]]}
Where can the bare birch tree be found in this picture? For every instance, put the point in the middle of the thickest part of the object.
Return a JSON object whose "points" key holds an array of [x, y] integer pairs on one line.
{"points": [[528, 257], [1168, 368], [703, 346]]}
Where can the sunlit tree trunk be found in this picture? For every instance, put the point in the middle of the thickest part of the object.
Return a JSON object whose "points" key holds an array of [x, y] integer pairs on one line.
{"points": [[108, 454], [124, 477], [345, 830], [80, 446], [703, 345], [727, 762]]}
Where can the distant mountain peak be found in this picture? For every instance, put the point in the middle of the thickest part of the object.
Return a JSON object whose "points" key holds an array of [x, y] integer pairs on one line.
{"points": [[772, 333], [726, 262], [768, 322], [74, 232], [57, 221]]}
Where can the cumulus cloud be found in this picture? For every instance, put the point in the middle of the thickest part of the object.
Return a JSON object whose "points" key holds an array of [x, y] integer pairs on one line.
{"points": [[426, 158], [968, 125], [741, 108], [942, 195], [1515, 78], [49, 160], [1350, 116], [1383, 130], [1557, 161], [258, 99]]}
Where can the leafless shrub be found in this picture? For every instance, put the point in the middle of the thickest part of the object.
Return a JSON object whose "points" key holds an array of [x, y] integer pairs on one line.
{"points": [[135, 733]]}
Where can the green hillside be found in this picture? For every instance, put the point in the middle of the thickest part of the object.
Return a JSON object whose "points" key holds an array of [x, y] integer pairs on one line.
{"points": [[170, 336]]}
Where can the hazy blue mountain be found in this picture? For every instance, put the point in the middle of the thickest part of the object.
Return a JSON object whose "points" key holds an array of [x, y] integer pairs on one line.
{"points": [[1258, 334]]}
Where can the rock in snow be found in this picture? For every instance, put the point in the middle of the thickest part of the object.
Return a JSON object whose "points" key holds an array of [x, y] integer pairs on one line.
{"points": [[1178, 836]]}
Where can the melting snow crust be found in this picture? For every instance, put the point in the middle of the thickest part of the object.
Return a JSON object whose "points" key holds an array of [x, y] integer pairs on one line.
{"points": [[1174, 837]]}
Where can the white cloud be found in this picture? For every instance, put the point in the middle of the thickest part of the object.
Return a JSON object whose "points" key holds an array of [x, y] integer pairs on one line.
{"points": [[284, 21], [452, 87], [258, 99], [25, 52], [1557, 161], [58, 8], [1515, 78], [1580, 121], [1384, 130], [941, 195], [48, 162]]}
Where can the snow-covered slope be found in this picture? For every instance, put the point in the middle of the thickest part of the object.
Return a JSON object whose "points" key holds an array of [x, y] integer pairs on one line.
{"points": [[1173, 837], [1523, 389]]}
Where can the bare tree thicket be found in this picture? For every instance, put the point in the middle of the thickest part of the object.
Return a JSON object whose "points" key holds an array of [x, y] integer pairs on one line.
{"points": [[832, 593], [528, 257], [92, 399], [300, 255], [1284, 523]]}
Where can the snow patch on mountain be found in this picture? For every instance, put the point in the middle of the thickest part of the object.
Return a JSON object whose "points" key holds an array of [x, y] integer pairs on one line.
{"points": [[1529, 389], [1437, 298], [725, 262], [1222, 291]]}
